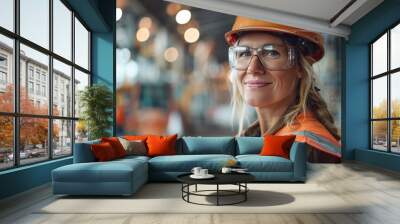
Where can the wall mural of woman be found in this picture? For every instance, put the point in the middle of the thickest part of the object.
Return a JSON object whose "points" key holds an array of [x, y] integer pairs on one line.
{"points": [[271, 71]]}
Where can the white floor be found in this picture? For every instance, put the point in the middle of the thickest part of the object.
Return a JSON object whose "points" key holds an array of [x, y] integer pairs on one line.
{"points": [[377, 189]]}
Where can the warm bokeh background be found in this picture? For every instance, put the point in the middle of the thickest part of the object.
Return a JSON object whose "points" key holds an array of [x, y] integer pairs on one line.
{"points": [[173, 78]]}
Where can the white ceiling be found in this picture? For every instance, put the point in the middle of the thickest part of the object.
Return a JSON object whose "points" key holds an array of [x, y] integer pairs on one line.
{"points": [[316, 15]]}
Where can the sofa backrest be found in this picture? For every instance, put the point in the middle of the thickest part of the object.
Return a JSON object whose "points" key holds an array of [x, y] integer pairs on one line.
{"points": [[206, 145], [83, 153], [249, 145]]}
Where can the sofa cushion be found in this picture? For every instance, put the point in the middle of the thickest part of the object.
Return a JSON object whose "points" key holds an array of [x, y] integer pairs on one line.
{"points": [[207, 145], [257, 163], [249, 145], [103, 152], [111, 171], [116, 145], [161, 145], [185, 163], [277, 145], [134, 147]]}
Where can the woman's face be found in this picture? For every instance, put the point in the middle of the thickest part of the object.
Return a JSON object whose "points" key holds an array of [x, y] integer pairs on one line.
{"points": [[259, 86]]}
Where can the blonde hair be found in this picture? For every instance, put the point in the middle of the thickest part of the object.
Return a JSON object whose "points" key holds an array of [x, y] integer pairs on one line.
{"points": [[308, 99]]}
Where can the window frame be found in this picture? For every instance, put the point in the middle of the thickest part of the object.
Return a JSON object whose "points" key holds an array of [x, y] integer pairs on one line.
{"points": [[16, 115], [388, 74]]}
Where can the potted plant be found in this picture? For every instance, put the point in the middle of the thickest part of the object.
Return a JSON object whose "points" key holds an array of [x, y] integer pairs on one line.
{"points": [[96, 102]]}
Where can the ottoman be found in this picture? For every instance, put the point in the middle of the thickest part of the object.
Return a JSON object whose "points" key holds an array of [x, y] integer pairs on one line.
{"points": [[118, 177]]}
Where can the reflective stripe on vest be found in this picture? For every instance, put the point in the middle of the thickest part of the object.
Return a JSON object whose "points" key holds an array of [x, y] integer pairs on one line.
{"points": [[319, 142]]}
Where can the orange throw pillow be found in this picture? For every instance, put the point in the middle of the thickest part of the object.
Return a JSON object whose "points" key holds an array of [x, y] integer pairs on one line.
{"points": [[103, 152], [277, 145], [161, 145], [116, 145]]}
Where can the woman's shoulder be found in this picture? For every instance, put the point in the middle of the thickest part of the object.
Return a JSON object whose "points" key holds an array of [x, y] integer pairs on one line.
{"points": [[307, 124]]}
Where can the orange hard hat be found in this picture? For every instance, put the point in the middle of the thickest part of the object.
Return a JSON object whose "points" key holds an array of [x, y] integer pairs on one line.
{"points": [[312, 39]]}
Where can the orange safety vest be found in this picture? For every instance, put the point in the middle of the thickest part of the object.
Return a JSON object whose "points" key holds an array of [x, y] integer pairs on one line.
{"points": [[309, 130]]}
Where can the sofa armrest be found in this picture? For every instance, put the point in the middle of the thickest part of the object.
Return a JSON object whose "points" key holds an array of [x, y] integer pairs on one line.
{"points": [[83, 152], [298, 155]]}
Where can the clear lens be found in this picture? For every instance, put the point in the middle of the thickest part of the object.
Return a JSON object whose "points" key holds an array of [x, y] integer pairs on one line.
{"points": [[273, 57]]}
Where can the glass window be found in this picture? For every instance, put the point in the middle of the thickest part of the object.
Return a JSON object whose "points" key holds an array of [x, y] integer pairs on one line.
{"points": [[385, 125], [33, 140], [62, 137], [379, 56], [395, 136], [379, 98], [43, 90], [34, 21], [6, 142], [379, 135], [3, 78], [40, 62], [81, 45], [30, 72], [395, 95], [62, 29], [395, 47], [30, 86], [7, 14], [34, 79], [62, 72], [6, 73], [3, 60], [81, 131], [37, 89], [81, 81]]}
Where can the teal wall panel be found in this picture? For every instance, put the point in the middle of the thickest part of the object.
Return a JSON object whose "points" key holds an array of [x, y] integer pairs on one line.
{"points": [[356, 115], [24, 178]]}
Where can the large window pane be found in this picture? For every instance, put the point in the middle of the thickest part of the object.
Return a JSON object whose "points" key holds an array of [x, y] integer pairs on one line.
{"points": [[81, 131], [35, 21], [379, 135], [34, 96], [395, 94], [33, 139], [6, 142], [81, 45], [379, 97], [81, 81], [62, 29], [395, 136], [395, 47], [6, 74], [62, 89], [62, 138], [379, 56], [7, 14]]}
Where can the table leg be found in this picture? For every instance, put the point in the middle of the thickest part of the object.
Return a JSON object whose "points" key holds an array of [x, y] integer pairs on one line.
{"points": [[217, 194], [245, 191], [196, 188]]}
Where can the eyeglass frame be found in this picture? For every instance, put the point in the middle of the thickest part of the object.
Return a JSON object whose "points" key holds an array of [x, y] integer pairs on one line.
{"points": [[291, 57]]}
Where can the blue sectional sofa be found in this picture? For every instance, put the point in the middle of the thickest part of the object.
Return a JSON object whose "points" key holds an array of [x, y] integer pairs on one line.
{"points": [[125, 176]]}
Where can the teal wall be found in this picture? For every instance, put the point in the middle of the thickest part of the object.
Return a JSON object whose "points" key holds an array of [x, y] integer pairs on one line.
{"points": [[24, 178], [356, 84], [99, 16]]}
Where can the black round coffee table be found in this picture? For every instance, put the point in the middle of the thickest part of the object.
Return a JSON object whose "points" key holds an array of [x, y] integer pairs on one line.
{"points": [[238, 179]]}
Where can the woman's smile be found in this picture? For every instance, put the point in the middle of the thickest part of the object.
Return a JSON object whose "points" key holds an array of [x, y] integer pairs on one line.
{"points": [[254, 84]]}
